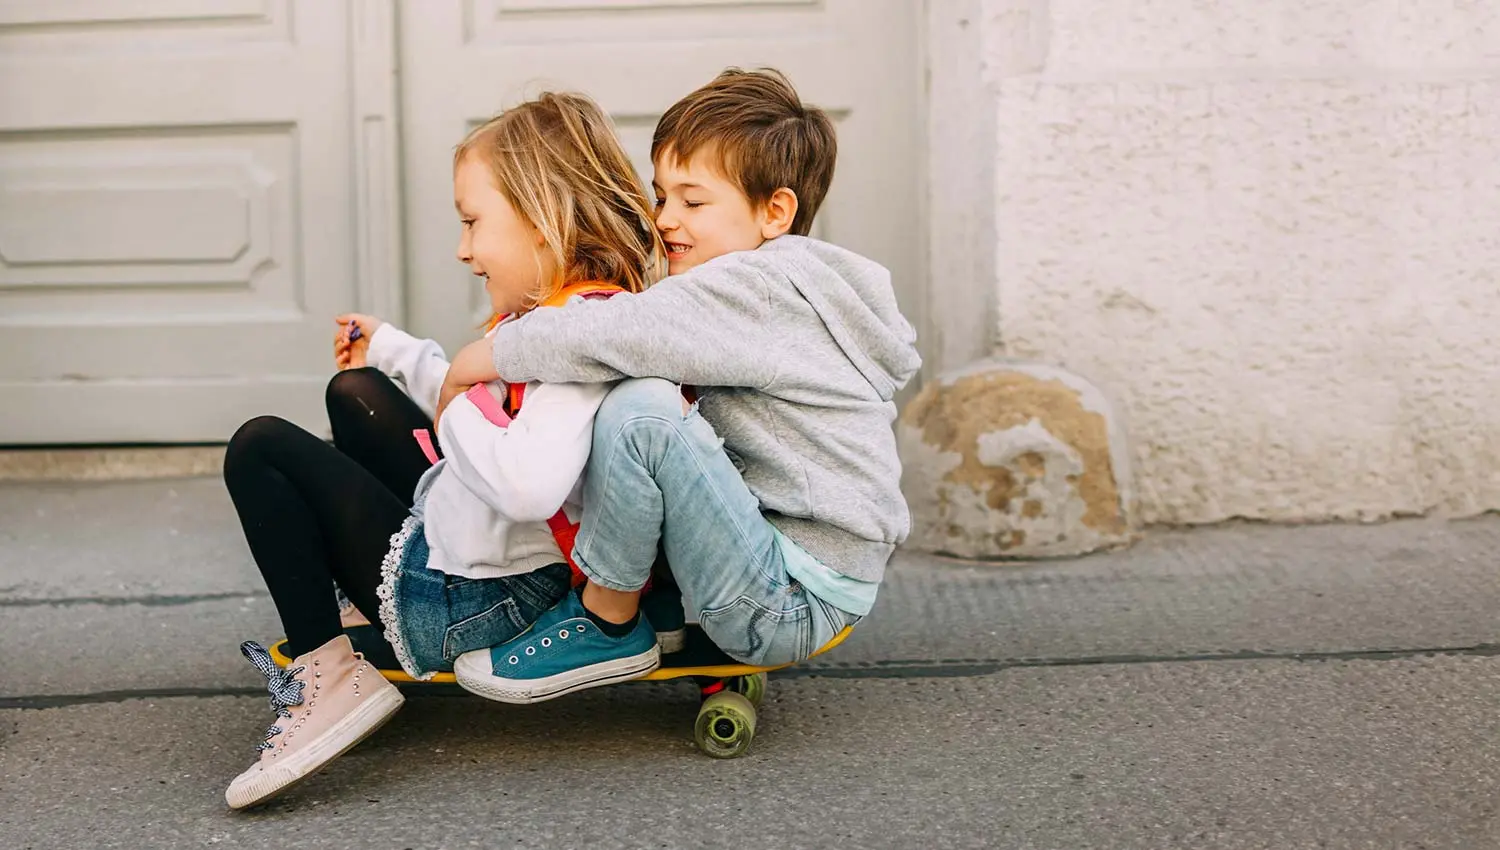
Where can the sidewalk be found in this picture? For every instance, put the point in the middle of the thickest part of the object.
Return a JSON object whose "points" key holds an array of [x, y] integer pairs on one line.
{"points": [[1243, 686]]}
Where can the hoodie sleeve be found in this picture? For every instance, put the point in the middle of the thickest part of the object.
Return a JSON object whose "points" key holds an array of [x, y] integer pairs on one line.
{"points": [[419, 364], [707, 327]]}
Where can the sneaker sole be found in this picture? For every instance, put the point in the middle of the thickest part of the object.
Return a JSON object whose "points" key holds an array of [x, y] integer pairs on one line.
{"points": [[475, 677], [339, 739], [673, 641]]}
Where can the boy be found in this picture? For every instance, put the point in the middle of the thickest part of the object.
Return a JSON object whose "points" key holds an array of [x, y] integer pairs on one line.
{"points": [[777, 507]]}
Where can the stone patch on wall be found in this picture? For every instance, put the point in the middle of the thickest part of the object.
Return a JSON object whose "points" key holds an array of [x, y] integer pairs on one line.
{"points": [[1013, 460]]}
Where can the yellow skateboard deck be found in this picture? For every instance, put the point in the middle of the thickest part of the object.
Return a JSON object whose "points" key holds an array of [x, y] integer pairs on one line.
{"points": [[730, 692], [699, 657]]}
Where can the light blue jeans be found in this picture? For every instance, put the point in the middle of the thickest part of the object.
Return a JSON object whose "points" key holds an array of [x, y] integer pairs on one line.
{"points": [[659, 477]]}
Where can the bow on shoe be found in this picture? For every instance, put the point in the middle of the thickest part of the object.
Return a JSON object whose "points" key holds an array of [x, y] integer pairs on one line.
{"points": [[284, 686]]}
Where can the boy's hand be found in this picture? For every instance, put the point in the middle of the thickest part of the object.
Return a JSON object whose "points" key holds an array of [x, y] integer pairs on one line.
{"points": [[475, 364], [353, 354], [449, 392]]}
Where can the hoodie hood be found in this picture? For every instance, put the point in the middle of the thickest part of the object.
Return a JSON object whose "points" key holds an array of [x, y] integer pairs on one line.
{"points": [[854, 298]]}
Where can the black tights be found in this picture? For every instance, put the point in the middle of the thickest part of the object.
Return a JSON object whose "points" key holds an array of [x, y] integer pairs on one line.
{"points": [[316, 515]]}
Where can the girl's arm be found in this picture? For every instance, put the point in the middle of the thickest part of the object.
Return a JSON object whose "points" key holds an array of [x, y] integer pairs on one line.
{"points": [[526, 469], [419, 364]]}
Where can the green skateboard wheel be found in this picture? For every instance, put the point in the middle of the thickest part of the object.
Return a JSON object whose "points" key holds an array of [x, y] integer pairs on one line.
{"points": [[726, 725], [752, 686]]}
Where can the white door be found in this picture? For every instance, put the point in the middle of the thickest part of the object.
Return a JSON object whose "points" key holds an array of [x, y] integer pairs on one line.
{"points": [[189, 190], [463, 60]]}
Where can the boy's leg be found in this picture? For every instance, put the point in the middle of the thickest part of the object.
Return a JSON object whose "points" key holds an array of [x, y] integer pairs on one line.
{"points": [[659, 475]]}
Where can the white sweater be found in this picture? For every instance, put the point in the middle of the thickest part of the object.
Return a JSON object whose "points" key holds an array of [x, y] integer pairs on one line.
{"points": [[485, 505]]}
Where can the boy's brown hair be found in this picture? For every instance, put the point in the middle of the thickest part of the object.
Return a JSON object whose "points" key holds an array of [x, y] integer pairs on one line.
{"points": [[759, 134]]}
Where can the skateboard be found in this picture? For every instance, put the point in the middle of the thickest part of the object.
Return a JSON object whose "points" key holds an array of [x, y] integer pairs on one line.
{"points": [[729, 691]]}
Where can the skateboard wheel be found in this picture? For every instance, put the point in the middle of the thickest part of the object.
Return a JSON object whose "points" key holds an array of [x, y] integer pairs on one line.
{"points": [[726, 725], [752, 686]]}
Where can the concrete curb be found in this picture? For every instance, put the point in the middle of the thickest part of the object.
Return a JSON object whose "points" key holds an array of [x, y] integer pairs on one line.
{"points": [[110, 463]]}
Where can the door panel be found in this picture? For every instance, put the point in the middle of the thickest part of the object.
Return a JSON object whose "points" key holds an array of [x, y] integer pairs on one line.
{"points": [[178, 212]]}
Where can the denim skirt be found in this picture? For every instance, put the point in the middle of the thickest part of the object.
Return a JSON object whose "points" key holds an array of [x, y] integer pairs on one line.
{"points": [[432, 617]]}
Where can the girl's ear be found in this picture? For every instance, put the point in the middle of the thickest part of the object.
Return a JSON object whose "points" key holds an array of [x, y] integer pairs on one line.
{"points": [[778, 213]]}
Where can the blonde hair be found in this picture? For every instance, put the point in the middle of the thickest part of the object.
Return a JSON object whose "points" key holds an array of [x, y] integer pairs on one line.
{"points": [[559, 163]]}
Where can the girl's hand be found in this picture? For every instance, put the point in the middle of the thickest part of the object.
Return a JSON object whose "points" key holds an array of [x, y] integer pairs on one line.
{"points": [[353, 354]]}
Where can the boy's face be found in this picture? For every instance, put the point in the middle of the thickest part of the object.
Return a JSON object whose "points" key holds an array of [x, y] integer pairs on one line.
{"points": [[701, 214]]}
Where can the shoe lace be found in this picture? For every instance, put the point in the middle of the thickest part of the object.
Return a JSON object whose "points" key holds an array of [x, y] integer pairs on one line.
{"points": [[284, 686]]}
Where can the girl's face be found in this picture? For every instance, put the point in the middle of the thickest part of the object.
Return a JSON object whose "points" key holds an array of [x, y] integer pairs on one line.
{"points": [[496, 242]]}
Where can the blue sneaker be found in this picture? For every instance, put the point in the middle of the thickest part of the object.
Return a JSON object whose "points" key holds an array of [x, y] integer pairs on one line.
{"points": [[561, 653]]}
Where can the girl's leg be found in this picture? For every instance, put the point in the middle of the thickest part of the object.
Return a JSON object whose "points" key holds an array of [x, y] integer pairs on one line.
{"points": [[372, 422], [312, 517]]}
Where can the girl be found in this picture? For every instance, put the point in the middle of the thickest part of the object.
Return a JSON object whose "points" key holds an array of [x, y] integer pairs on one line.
{"points": [[457, 556]]}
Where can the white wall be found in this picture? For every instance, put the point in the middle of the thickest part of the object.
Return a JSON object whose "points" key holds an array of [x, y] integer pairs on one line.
{"points": [[1268, 229]]}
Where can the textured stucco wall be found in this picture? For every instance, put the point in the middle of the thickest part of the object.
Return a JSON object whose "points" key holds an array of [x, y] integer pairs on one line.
{"points": [[1270, 231]]}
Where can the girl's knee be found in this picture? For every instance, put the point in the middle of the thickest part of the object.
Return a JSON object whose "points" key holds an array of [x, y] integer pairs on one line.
{"points": [[347, 387], [251, 437]]}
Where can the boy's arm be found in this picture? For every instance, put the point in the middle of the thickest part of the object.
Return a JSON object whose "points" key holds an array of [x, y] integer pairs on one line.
{"points": [[419, 364], [709, 327]]}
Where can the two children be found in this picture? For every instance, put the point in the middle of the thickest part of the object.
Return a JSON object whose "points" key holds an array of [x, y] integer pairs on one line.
{"points": [[456, 555], [776, 496]]}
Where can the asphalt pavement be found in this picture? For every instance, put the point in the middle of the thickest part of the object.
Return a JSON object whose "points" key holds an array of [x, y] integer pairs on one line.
{"points": [[1243, 686]]}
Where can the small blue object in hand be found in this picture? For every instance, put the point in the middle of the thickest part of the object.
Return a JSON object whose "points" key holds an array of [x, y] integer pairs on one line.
{"points": [[354, 332]]}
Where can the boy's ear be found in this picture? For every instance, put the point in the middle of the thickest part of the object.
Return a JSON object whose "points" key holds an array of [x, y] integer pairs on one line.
{"points": [[778, 213]]}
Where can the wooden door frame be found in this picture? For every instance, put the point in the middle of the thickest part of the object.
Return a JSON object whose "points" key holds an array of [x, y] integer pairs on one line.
{"points": [[959, 259]]}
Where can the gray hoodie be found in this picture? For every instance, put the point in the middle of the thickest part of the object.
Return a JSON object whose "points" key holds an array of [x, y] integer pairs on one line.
{"points": [[796, 349]]}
